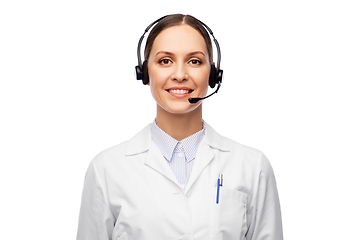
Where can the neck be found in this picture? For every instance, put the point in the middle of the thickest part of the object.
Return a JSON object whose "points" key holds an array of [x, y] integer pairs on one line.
{"points": [[179, 126]]}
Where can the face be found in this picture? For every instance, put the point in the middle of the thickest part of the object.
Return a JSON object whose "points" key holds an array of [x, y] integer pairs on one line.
{"points": [[179, 68]]}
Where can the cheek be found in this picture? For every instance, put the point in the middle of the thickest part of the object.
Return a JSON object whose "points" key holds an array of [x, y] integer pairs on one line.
{"points": [[202, 80], [154, 87], [157, 76], [156, 81]]}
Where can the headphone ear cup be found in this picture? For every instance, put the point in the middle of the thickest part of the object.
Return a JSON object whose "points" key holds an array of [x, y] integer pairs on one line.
{"points": [[145, 78], [138, 73], [212, 77]]}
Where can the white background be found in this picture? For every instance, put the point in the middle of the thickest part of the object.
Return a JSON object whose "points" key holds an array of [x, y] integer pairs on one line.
{"points": [[68, 91]]}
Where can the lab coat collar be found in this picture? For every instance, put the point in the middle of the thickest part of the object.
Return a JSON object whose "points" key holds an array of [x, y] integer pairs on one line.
{"points": [[214, 139], [140, 143]]}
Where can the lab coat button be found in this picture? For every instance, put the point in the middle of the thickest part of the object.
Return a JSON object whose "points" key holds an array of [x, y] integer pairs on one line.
{"points": [[188, 194]]}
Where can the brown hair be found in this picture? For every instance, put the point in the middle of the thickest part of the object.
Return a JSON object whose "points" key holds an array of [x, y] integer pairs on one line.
{"points": [[175, 20]]}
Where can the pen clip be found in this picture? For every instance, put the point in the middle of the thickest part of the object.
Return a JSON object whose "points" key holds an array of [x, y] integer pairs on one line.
{"points": [[219, 184]]}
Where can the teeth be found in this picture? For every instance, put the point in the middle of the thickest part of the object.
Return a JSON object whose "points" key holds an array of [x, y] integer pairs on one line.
{"points": [[178, 91]]}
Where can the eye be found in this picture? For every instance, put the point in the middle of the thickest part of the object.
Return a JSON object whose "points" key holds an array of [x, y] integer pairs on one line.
{"points": [[195, 62], [165, 61]]}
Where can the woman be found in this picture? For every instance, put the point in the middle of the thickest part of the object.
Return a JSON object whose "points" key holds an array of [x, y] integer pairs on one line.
{"points": [[178, 178]]}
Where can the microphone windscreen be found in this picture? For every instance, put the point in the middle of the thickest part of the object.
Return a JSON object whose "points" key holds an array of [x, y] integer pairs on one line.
{"points": [[194, 100]]}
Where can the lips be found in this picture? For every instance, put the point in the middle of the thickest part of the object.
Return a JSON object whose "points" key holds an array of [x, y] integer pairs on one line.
{"points": [[179, 92]]}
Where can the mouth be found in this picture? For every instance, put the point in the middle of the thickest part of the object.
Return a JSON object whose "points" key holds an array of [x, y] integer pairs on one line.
{"points": [[179, 92]]}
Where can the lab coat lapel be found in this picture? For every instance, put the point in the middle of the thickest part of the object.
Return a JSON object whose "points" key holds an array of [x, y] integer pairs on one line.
{"points": [[156, 161], [203, 158], [142, 143], [205, 153]]}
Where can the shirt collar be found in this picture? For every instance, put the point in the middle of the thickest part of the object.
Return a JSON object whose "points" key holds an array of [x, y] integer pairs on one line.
{"points": [[168, 144], [140, 143]]}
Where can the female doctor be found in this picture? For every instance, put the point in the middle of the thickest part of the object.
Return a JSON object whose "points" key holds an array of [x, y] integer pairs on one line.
{"points": [[178, 178]]}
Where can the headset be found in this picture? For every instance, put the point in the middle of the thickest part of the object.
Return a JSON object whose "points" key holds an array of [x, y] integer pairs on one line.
{"points": [[216, 74]]}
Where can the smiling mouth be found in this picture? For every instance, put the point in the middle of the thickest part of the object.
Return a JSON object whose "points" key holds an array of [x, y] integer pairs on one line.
{"points": [[180, 91]]}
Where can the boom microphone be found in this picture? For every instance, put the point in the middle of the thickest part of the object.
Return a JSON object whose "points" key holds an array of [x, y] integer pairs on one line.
{"points": [[195, 100]]}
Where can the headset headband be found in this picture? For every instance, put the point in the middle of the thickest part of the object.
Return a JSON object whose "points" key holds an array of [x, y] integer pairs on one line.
{"points": [[155, 22]]}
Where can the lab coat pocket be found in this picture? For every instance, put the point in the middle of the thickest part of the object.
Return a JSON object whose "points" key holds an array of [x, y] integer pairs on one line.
{"points": [[228, 217], [123, 237]]}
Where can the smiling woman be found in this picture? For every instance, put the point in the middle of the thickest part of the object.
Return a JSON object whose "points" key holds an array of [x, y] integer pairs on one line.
{"points": [[178, 61], [178, 178]]}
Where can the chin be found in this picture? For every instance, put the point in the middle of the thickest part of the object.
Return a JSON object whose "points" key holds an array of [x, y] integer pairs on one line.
{"points": [[180, 108]]}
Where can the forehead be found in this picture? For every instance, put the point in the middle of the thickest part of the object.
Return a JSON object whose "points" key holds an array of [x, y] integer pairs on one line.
{"points": [[180, 39]]}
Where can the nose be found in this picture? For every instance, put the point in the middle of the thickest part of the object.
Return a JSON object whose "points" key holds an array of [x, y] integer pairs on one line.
{"points": [[180, 73]]}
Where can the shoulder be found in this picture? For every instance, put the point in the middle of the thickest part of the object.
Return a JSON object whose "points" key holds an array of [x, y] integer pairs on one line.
{"points": [[237, 153], [119, 153], [249, 155]]}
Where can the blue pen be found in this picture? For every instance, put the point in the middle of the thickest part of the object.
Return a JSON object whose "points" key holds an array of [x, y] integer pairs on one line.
{"points": [[219, 184]]}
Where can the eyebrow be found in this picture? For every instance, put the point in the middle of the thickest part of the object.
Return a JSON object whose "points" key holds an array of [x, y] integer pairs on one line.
{"points": [[165, 52], [172, 54], [196, 52]]}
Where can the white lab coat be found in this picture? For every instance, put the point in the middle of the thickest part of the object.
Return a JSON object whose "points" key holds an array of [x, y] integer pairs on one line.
{"points": [[130, 193]]}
